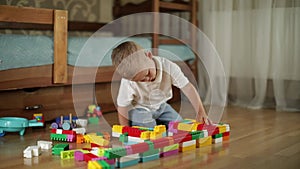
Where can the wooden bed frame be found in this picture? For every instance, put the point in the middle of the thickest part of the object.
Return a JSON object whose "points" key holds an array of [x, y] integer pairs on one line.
{"points": [[49, 87]]}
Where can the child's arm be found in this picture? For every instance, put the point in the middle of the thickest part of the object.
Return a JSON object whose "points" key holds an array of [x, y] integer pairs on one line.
{"points": [[123, 116], [192, 94]]}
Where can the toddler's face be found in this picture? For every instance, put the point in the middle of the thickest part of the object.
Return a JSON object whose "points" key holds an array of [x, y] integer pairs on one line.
{"points": [[147, 74]]}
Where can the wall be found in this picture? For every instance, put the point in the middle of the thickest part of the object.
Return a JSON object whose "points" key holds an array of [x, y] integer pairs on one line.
{"points": [[79, 10]]}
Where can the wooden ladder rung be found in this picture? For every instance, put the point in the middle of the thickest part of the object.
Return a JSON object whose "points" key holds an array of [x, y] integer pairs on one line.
{"points": [[175, 6]]}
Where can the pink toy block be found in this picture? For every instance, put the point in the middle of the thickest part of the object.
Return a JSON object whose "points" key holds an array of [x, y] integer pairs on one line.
{"points": [[169, 153], [79, 156]]}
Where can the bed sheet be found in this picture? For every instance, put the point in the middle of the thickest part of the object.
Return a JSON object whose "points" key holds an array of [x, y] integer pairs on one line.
{"points": [[18, 51]]}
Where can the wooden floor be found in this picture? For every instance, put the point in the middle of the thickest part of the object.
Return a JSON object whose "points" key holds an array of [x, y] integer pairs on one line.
{"points": [[259, 139]]}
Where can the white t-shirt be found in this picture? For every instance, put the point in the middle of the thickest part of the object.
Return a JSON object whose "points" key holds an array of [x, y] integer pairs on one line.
{"points": [[150, 95]]}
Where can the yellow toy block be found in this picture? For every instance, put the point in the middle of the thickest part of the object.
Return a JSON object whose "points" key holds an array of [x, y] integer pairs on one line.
{"points": [[204, 141], [94, 165], [185, 127], [155, 135], [98, 140], [187, 148], [195, 125], [160, 129], [68, 154], [222, 128], [117, 128], [145, 135], [191, 120]]}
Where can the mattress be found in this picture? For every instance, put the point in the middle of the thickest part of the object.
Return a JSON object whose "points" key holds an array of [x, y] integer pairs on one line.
{"points": [[19, 51]]}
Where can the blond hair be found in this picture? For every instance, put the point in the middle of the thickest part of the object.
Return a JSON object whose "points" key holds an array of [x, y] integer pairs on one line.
{"points": [[129, 58], [122, 51]]}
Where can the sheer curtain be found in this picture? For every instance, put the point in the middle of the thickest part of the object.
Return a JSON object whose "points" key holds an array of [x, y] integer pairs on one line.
{"points": [[259, 44]]}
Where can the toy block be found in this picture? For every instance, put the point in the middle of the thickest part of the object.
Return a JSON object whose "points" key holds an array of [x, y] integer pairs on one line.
{"points": [[149, 158], [169, 153], [172, 127], [103, 164], [151, 150], [197, 134], [185, 127], [217, 136], [94, 165], [31, 151], [115, 152], [128, 150], [58, 137], [227, 127], [97, 140], [89, 156], [154, 135], [79, 139], [59, 147], [170, 148], [179, 137], [79, 155], [45, 144], [187, 148], [80, 130], [226, 135], [135, 139], [204, 141], [161, 142], [93, 120], [222, 128], [117, 128], [115, 134], [139, 148], [127, 161], [217, 140], [160, 129], [123, 137], [145, 135], [187, 143], [68, 154], [134, 132]]}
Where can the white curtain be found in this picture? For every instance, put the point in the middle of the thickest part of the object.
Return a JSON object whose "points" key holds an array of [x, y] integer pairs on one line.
{"points": [[259, 44]]}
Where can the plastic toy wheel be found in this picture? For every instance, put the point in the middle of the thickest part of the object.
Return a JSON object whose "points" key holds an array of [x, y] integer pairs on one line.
{"points": [[54, 125], [66, 126], [2, 134]]}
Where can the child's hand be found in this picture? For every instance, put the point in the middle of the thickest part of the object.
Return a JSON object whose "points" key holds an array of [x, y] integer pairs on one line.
{"points": [[203, 118]]}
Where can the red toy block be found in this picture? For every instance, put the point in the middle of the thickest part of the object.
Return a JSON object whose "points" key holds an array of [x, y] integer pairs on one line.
{"points": [[161, 142], [139, 148], [89, 156], [134, 132]]}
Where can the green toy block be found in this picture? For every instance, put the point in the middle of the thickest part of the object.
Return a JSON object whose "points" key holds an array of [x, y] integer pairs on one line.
{"points": [[104, 164], [93, 120], [115, 152], [59, 147], [217, 136], [58, 137], [123, 138], [197, 135]]}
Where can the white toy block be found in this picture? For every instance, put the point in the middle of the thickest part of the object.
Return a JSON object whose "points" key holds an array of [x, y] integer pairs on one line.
{"points": [[59, 131], [80, 130], [115, 134], [46, 145], [31, 151], [188, 143]]}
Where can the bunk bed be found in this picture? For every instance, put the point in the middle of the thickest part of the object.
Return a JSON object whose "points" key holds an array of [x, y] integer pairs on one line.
{"points": [[47, 88]]}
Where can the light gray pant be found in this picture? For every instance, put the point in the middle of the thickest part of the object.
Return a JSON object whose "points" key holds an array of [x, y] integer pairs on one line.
{"points": [[145, 118]]}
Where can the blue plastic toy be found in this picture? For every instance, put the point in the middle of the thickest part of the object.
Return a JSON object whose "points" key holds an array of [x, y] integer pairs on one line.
{"points": [[16, 124]]}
